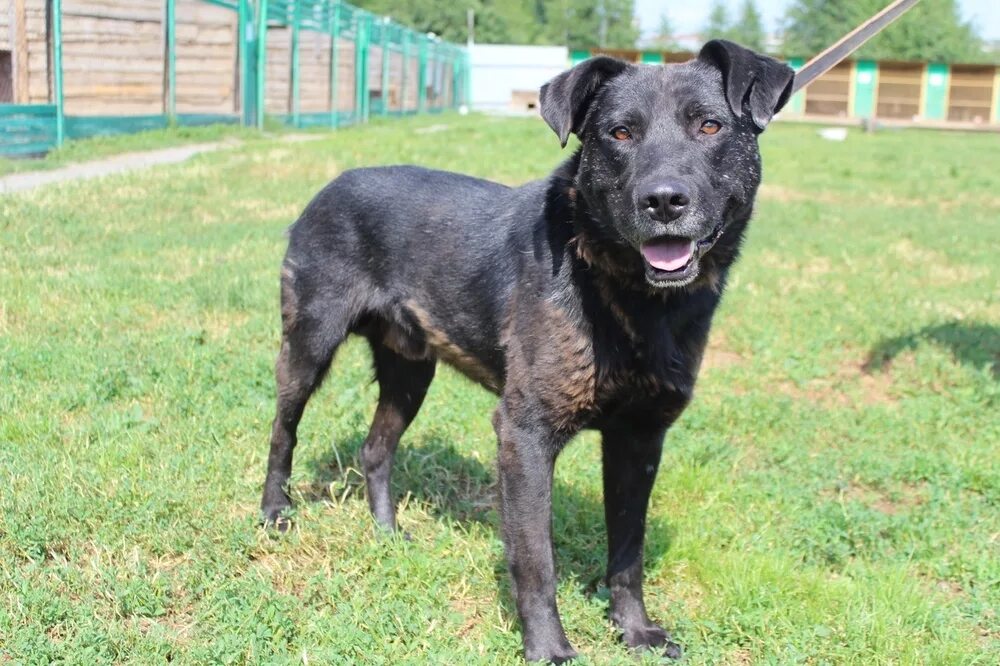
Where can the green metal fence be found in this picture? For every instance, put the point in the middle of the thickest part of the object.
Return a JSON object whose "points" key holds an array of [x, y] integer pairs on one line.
{"points": [[300, 63]]}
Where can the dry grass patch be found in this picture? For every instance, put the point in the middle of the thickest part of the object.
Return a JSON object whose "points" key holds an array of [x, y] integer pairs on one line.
{"points": [[852, 384], [935, 265], [891, 502], [719, 355]]}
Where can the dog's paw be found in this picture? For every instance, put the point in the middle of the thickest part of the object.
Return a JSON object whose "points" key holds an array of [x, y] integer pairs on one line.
{"points": [[280, 524], [555, 654], [275, 516], [652, 637]]}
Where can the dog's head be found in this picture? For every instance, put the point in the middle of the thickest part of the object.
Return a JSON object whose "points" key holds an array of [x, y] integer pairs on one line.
{"points": [[669, 154]]}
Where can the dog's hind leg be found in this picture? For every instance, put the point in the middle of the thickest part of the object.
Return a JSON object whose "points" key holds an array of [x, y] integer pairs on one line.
{"points": [[402, 386], [307, 348]]}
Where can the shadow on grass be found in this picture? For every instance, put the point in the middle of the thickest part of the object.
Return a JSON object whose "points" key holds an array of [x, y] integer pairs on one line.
{"points": [[458, 487], [976, 345]]}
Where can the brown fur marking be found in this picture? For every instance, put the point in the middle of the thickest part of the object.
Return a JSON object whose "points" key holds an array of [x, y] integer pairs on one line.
{"points": [[289, 298], [405, 344], [451, 353], [565, 364]]}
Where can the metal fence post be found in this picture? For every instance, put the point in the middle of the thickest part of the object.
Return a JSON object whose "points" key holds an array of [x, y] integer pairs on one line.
{"points": [[467, 63], [422, 75], [294, 57], [247, 93], [171, 32], [261, 60], [334, 61], [57, 71], [404, 72], [361, 95], [359, 53], [385, 66], [456, 78], [366, 97]]}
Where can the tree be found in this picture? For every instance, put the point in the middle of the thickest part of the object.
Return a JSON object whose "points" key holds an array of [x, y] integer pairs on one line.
{"points": [[749, 28], [602, 24], [576, 23], [718, 26], [930, 31], [664, 37]]}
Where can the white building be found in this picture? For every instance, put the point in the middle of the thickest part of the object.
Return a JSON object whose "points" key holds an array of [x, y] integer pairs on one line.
{"points": [[506, 77]]}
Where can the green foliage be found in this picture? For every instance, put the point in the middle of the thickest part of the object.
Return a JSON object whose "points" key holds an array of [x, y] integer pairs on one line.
{"points": [[664, 38], [601, 23], [830, 497], [718, 25], [931, 31], [748, 29], [576, 23]]}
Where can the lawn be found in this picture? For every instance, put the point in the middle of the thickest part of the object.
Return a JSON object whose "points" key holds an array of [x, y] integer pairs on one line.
{"points": [[832, 496]]}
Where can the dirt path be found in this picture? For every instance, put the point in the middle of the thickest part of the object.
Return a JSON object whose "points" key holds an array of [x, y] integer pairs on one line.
{"points": [[18, 182]]}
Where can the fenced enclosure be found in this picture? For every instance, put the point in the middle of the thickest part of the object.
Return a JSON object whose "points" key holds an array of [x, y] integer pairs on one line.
{"points": [[79, 68]]}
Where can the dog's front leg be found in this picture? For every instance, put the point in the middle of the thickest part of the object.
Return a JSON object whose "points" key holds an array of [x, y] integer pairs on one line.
{"points": [[631, 456], [526, 459]]}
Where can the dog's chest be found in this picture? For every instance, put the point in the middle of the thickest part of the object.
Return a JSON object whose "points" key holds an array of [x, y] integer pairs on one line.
{"points": [[588, 368], [641, 369]]}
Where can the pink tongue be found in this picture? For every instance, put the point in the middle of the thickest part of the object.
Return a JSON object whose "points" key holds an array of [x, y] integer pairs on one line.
{"points": [[668, 255]]}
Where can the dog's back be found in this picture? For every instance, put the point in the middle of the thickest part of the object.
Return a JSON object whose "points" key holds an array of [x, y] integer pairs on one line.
{"points": [[400, 226], [422, 260]]}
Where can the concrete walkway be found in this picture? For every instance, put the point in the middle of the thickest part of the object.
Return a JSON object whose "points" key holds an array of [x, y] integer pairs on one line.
{"points": [[18, 182], [28, 180]]}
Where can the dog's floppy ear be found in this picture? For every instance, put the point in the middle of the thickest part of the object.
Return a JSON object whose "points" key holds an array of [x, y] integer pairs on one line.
{"points": [[565, 99], [763, 83]]}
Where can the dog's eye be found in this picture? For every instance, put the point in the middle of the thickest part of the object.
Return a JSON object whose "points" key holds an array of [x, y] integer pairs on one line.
{"points": [[621, 133], [710, 127]]}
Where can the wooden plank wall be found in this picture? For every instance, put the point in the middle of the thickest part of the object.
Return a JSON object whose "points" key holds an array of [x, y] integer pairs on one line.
{"points": [[970, 94], [114, 61], [207, 58], [899, 90], [6, 36], [38, 57], [314, 72], [345, 75], [113, 57], [830, 94], [412, 84], [395, 79], [6, 60], [277, 82], [375, 68]]}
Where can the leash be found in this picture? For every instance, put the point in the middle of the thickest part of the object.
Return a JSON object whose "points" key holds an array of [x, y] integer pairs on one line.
{"points": [[850, 43]]}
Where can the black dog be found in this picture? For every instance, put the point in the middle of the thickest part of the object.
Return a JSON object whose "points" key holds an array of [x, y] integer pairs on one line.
{"points": [[583, 300]]}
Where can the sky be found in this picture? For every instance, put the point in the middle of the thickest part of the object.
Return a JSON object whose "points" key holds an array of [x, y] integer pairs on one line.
{"points": [[689, 16]]}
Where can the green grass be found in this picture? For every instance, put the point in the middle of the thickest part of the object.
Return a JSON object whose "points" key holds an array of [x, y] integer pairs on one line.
{"points": [[831, 497]]}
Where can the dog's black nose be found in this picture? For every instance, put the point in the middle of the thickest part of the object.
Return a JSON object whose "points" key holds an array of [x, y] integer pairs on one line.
{"points": [[666, 200]]}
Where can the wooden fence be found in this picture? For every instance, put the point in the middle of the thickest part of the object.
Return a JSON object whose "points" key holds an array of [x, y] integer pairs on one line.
{"points": [[77, 68]]}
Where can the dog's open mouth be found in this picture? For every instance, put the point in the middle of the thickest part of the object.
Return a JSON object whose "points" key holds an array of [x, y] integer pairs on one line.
{"points": [[674, 260], [669, 255]]}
